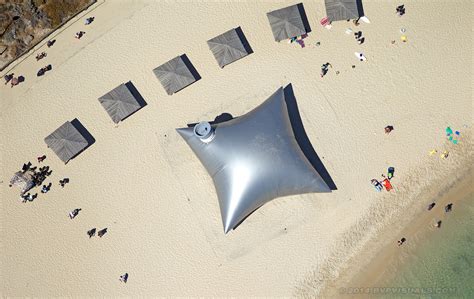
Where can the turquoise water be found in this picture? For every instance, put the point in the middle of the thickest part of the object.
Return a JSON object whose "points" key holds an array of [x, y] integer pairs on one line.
{"points": [[442, 265]]}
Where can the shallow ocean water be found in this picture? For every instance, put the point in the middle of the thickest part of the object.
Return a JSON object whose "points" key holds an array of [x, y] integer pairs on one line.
{"points": [[441, 265]]}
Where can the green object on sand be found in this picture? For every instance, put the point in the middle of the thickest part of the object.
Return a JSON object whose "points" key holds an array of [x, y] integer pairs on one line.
{"points": [[449, 131]]}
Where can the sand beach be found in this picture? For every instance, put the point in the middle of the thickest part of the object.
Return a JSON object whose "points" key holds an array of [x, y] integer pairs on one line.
{"points": [[142, 182]]}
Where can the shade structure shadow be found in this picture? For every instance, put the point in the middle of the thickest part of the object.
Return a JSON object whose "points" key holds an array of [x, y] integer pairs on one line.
{"points": [[223, 117], [138, 97], [77, 124], [360, 8], [304, 18], [302, 138], [83, 131], [191, 68], [244, 40], [136, 94]]}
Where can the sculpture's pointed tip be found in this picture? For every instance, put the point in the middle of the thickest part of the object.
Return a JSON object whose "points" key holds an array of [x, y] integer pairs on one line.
{"points": [[228, 226], [226, 229]]}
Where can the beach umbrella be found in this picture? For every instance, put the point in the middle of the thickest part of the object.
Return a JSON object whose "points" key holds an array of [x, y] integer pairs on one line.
{"points": [[337, 10], [176, 74], [228, 47], [120, 103], [66, 141], [287, 22], [253, 159]]}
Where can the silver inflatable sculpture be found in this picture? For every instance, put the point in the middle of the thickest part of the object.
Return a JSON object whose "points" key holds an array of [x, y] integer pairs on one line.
{"points": [[253, 159]]}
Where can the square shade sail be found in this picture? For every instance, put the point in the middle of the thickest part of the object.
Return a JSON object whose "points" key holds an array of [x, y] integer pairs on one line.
{"points": [[66, 141], [228, 47], [176, 74], [120, 102]]}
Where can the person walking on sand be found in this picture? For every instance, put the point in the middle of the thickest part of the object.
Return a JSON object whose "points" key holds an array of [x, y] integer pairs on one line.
{"points": [[91, 232], [448, 207], [74, 213], [101, 232], [80, 34], [325, 69], [45, 188], [400, 10], [50, 43], [401, 241], [41, 158], [431, 206], [124, 278], [388, 129], [8, 77], [89, 20], [437, 224], [63, 182]]}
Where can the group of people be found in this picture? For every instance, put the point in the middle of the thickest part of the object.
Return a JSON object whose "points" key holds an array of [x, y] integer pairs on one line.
{"points": [[81, 33], [359, 38], [100, 233], [400, 10], [448, 208], [385, 182], [39, 176], [28, 197], [10, 78], [13, 80]]}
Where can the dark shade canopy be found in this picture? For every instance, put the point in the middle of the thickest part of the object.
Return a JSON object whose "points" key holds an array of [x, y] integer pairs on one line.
{"points": [[253, 159], [228, 47], [121, 102], [338, 10], [67, 141], [288, 22], [176, 74]]}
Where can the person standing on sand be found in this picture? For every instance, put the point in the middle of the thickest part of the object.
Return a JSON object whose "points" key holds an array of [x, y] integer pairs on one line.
{"points": [[74, 213], [388, 129], [8, 78], [325, 69], [91, 232], [89, 20], [124, 278], [401, 241], [448, 207], [63, 182], [80, 34], [101, 232]]}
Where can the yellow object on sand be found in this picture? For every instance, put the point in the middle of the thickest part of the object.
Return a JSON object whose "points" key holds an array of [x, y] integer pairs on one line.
{"points": [[444, 155], [404, 38], [432, 152]]}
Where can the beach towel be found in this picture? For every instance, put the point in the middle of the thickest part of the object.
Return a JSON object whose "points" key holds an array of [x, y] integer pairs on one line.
{"points": [[387, 185], [325, 21], [377, 185]]}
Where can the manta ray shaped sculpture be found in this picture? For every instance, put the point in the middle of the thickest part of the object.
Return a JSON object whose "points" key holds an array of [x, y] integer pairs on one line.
{"points": [[253, 159]]}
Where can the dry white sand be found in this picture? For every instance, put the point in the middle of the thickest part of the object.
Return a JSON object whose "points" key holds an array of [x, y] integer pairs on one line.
{"points": [[142, 181]]}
